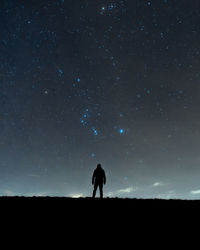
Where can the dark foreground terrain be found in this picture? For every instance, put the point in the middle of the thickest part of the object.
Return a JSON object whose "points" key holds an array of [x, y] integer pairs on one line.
{"points": [[98, 211], [61, 219], [78, 206], [124, 203]]}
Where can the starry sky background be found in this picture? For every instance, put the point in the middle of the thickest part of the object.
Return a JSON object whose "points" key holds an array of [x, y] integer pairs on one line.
{"points": [[89, 81]]}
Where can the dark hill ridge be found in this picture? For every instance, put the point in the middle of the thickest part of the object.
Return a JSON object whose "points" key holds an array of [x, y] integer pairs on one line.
{"points": [[87, 202], [70, 213], [106, 200]]}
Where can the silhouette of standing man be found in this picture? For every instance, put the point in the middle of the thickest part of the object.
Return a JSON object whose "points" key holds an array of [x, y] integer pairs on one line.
{"points": [[98, 179]]}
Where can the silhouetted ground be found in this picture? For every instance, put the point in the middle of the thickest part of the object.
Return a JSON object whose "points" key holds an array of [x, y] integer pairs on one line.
{"points": [[110, 219], [133, 202], [78, 205], [106, 200]]}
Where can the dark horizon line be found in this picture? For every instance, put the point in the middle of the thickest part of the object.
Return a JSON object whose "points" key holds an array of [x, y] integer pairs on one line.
{"points": [[96, 198]]}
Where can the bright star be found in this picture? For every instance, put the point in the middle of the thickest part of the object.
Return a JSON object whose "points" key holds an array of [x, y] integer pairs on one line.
{"points": [[95, 131], [121, 131], [78, 79], [60, 72]]}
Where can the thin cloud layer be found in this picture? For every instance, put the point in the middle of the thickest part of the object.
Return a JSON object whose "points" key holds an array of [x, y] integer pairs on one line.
{"points": [[195, 191], [127, 190]]}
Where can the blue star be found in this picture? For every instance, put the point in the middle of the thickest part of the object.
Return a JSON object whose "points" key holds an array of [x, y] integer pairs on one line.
{"points": [[110, 6], [92, 154], [95, 131], [60, 72], [121, 131], [84, 117], [83, 122]]}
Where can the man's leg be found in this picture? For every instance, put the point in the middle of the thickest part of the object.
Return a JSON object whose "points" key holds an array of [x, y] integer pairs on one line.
{"points": [[101, 190], [94, 191]]}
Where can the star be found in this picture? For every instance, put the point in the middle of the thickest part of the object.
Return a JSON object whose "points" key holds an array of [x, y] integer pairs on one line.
{"points": [[60, 72], [92, 155], [78, 79], [95, 132], [121, 131]]}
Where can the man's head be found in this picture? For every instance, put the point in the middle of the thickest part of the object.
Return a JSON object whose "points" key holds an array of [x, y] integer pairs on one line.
{"points": [[99, 165]]}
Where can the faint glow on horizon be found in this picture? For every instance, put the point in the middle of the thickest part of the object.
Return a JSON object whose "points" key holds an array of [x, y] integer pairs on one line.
{"points": [[126, 190], [122, 191], [76, 195]]}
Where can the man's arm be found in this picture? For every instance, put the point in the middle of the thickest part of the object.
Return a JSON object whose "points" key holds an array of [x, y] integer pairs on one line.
{"points": [[93, 177], [104, 177]]}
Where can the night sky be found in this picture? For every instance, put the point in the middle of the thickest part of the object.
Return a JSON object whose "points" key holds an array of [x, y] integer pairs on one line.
{"points": [[84, 82]]}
